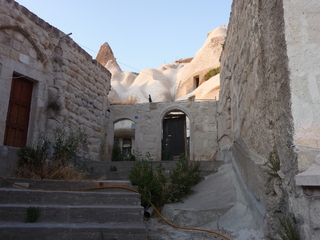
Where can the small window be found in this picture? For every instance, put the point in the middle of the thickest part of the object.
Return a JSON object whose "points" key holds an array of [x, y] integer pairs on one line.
{"points": [[196, 81]]}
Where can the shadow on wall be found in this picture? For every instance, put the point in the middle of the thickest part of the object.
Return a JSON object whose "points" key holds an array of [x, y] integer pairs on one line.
{"points": [[8, 160]]}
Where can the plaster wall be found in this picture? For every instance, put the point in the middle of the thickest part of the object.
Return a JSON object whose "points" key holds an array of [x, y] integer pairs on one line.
{"points": [[254, 112], [148, 119], [302, 31], [269, 101], [60, 70]]}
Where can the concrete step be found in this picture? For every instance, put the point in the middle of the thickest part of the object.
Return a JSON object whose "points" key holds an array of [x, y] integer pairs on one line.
{"points": [[71, 198], [124, 167], [78, 231], [91, 214], [67, 185], [73, 214]]}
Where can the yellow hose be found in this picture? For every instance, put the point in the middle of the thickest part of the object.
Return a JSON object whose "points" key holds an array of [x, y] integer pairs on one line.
{"points": [[130, 189]]}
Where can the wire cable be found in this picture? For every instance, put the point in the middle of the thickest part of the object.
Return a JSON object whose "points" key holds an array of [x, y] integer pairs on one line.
{"points": [[121, 187]]}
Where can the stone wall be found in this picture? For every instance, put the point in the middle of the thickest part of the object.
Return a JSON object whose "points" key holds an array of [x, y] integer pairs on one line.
{"points": [[269, 103], [254, 112], [302, 30], [148, 118], [62, 73]]}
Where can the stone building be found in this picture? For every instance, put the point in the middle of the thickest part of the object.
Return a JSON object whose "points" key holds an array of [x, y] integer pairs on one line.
{"points": [[269, 109], [160, 127], [47, 81]]}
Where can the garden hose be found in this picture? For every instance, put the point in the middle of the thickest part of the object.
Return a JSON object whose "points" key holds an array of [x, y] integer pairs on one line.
{"points": [[127, 188]]}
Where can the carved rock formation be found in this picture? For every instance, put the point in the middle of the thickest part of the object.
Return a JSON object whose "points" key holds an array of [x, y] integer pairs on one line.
{"points": [[170, 82], [105, 55]]}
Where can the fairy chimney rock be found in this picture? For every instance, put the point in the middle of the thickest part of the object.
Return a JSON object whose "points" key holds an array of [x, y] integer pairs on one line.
{"points": [[105, 54]]}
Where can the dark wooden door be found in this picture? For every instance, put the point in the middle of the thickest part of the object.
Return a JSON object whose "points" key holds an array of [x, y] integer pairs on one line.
{"points": [[18, 112], [174, 130]]}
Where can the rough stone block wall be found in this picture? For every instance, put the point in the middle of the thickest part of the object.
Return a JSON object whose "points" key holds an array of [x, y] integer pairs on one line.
{"points": [[62, 73], [254, 112], [148, 118]]}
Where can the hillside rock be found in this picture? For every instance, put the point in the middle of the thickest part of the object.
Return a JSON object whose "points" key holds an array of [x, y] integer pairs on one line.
{"points": [[169, 82], [105, 55]]}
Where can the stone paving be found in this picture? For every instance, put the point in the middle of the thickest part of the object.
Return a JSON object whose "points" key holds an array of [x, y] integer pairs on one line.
{"points": [[157, 229]]}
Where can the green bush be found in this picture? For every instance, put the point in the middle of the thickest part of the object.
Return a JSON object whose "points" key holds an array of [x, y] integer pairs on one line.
{"points": [[117, 153], [66, 144], [113, 169], [166, 156], [48, 158], [273, 164], [212, 73], [150, 184], [154, 187], [32, 214], [182, 178]]}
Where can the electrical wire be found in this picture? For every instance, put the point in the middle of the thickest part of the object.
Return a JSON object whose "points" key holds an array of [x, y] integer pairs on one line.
{"points": [[121, 187]]}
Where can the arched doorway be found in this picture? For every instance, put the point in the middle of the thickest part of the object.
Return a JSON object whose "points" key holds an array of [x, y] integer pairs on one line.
{"points": [[175, 136], [124, 139]]}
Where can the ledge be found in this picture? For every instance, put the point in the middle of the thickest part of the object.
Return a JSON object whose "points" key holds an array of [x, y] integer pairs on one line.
{"points": [[310, 177]]}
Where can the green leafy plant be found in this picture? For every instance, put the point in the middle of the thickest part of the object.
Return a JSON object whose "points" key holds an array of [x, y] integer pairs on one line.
{"points": [[48, 158], [288, 230], [150, 184], [182, 178], [117, 153], [154, 187], [66, 144], [273, 164], [113, 169], [32, 214], [166, 156], [212, 73], [54, 106]]}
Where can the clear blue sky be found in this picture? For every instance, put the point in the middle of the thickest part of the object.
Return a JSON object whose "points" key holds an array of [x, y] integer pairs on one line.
{"points": [[142, 33]]}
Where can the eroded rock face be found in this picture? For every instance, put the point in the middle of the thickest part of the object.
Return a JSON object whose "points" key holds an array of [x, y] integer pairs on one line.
{"points": [[105, 55], [170, 82]]}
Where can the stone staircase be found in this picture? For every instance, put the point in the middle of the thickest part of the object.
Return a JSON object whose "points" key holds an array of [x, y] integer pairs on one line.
{"points": [[104, 214]]}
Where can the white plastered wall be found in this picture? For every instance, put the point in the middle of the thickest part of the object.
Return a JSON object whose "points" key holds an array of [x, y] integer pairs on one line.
{"points": [[302, 31]]}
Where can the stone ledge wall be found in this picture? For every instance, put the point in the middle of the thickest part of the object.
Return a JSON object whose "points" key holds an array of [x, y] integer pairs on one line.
{"points": [[148, 119], [62, 72]]}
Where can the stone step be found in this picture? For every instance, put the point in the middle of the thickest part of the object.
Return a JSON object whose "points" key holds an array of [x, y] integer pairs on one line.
{"points": [[71, 198], [72, 214], [124, 167], [68, 231], [68, 185], [91, 214]]}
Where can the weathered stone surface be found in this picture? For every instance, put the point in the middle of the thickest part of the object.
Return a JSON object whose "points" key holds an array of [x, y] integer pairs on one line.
{"points": [[105, 54], [60, 69], [269, 100], [173, 81], [148, 126]]}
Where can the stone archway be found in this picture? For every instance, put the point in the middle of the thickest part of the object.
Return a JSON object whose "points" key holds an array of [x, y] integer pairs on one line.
{"points": [[124, 136]]}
